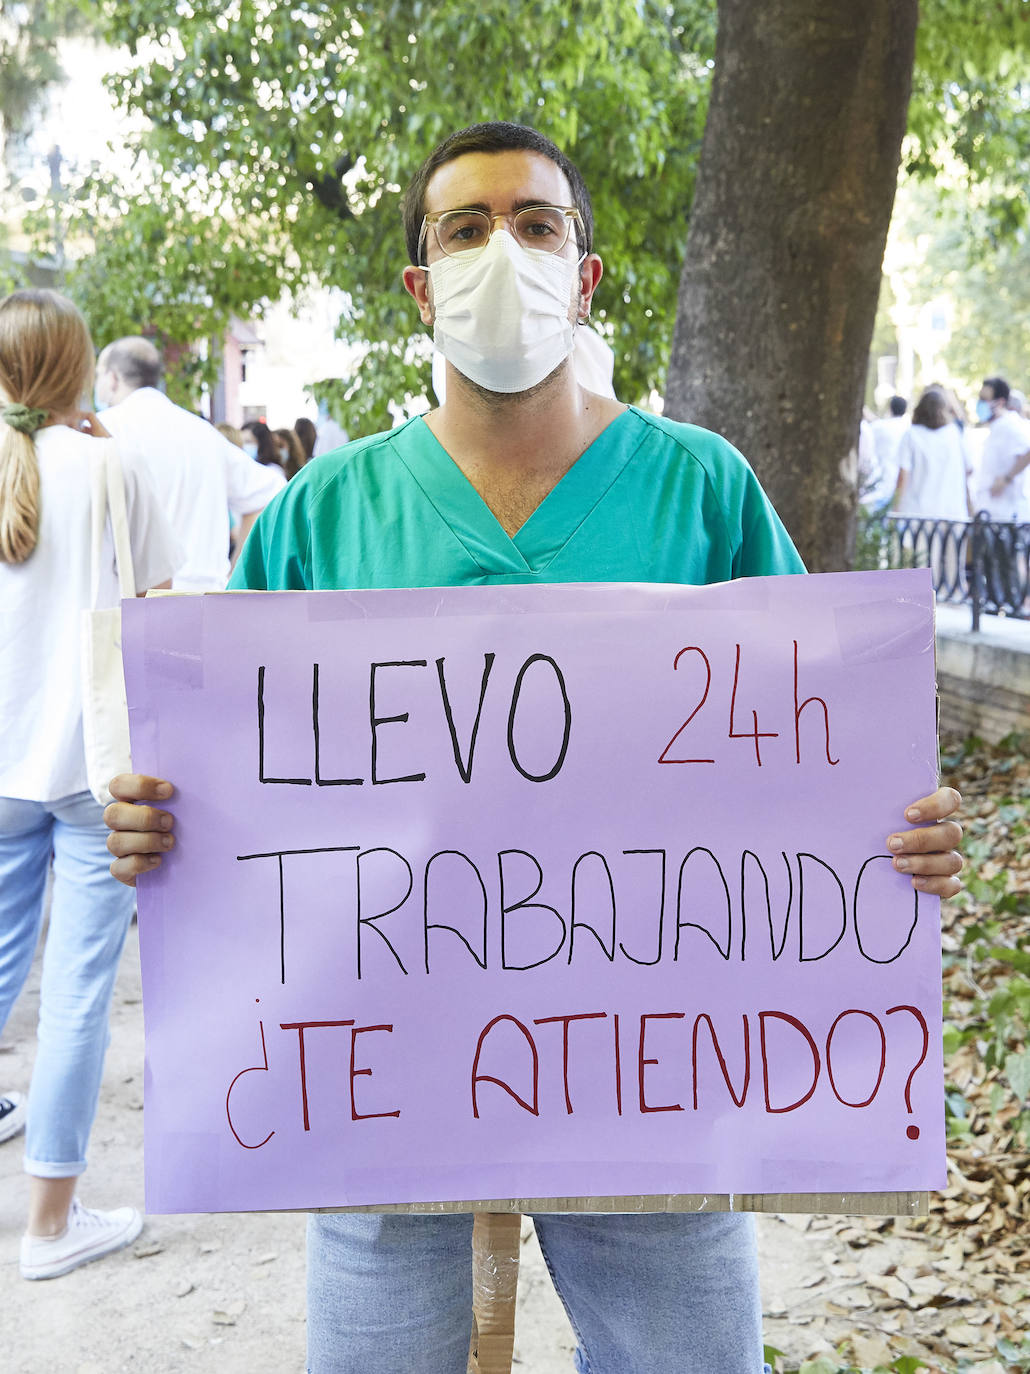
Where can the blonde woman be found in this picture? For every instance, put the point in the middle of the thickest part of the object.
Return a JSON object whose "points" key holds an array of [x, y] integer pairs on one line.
{"points": [[46, 812]]}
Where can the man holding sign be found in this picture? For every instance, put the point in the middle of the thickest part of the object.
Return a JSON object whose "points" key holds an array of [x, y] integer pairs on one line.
{"points": [[522, 477]]}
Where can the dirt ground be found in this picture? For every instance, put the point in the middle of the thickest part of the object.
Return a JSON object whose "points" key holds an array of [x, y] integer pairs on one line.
{"points": [[226, 1292]]}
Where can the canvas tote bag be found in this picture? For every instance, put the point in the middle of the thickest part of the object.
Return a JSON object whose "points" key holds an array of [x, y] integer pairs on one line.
{"points": [[105, 716]]}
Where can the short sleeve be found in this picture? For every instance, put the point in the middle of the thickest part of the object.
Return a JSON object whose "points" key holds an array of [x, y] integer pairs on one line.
{"points": [[765, 546], [249, 485]]}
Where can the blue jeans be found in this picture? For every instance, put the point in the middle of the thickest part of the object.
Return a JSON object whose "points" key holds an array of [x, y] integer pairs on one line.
{"points": [[89, 917], [668, 1291]]}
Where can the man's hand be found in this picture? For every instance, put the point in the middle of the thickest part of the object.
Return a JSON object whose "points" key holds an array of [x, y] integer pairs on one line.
{"points": [[929, 852], [140, 833]]}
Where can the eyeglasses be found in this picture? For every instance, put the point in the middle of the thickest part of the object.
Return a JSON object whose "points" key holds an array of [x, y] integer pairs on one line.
{"points": [[465, 233]]}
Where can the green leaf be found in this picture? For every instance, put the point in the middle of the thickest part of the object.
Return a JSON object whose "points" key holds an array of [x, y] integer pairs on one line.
{"points": [[1017, 1070]]}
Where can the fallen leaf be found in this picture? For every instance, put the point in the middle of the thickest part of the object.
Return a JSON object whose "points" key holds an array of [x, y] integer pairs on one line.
{"points": [[870, 1350]]}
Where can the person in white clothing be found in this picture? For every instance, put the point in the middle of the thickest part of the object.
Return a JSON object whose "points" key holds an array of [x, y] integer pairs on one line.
{"points": [[886, 436], [1001, 481], [329, 435], [933, 464], [47, 444], [197, 473]]}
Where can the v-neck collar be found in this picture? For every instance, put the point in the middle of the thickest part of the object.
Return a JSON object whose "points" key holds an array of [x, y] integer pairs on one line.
{"points": [[550, 527]]}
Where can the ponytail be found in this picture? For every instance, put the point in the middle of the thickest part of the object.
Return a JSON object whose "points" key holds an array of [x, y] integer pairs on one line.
{"points": [[19, 495], [46, 367]]}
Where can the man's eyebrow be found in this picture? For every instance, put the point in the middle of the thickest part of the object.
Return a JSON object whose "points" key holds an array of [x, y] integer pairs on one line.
{"points": [[533, 202]]}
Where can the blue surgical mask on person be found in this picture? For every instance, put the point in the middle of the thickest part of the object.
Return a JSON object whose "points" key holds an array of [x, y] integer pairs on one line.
{"points": [[250, 448], [984, 411]]}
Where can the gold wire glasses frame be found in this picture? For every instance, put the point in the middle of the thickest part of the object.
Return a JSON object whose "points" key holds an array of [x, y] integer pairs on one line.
{"points": [[463, 233]]}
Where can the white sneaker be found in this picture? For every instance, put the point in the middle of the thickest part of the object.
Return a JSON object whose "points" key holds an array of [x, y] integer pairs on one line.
{"points": [[87, 1236], [12, 1115]]}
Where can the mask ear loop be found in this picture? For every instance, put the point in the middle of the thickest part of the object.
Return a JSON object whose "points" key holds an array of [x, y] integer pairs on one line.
{"points": [[581, 318]]}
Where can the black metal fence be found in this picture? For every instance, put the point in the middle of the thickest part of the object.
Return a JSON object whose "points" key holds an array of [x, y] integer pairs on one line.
{"points": [[982, 563]]}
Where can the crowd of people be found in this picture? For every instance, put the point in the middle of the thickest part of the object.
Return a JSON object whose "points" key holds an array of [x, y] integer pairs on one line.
{"points": [[930, 467], [499, 229]]}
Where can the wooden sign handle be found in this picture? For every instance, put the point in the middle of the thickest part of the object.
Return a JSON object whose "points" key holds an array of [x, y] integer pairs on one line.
{"points": [[496, 1237]]}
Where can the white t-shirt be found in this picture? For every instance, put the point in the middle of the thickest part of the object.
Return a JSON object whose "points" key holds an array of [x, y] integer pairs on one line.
{"points": [[198, 475], [41, 751], [1008, 438], [936, 463], [887, 435]]}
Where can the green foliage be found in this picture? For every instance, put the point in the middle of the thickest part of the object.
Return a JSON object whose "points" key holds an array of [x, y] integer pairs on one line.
{"points": [[1016, 1357], [871, 542], [969, 114], [29, 33], [985, 275], [306, 121], [11, 276], [310, 121], [996, 943], [176, 260]]}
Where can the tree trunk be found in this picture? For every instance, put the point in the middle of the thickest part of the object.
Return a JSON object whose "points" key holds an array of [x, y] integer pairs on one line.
{"points": [[778, 294]]}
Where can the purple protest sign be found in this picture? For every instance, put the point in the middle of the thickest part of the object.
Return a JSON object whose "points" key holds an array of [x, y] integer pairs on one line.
{"points": [[538, 891]]}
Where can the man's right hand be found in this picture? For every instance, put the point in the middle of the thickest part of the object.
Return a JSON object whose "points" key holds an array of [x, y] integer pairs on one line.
{"points": [[140, 833]]}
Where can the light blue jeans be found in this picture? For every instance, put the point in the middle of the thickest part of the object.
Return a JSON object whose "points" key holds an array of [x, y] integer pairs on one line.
{"points": [[672, 1291], [89, 917]]}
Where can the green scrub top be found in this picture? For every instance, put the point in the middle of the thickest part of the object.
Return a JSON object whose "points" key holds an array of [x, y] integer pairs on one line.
{"points": [[651, 500]]}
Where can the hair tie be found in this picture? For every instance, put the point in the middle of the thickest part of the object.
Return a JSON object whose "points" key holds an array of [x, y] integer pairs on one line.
{"points": [[23, 418]]}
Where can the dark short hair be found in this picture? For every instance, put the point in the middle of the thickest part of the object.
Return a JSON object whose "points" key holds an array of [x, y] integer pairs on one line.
{"points": [[898, 405], [267, 448], [932, 409], [999, 388], [496, 137]]}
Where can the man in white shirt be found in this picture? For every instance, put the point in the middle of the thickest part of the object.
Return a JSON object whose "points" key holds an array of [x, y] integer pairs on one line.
{"points": [[198, 474], [886, 435], [1001, 487]]}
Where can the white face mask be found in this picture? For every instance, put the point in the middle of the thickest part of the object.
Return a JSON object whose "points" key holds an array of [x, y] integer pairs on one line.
{"points": [[502, 319]]}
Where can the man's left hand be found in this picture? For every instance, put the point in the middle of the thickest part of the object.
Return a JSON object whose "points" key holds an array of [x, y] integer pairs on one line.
{"points": [[929, 852]]}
